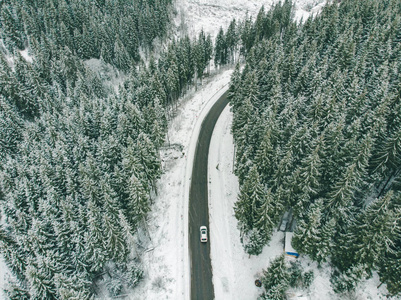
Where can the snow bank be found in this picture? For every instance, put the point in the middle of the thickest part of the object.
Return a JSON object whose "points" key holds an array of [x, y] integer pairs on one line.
{"points": [[234, 272], [26, 55]]}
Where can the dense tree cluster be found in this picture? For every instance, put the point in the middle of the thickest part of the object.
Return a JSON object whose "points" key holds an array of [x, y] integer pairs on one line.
{"points": [[91, 29], [280, 275], [317, 130], [78, 159], [242, 35], [78, 163], [181, 65]]}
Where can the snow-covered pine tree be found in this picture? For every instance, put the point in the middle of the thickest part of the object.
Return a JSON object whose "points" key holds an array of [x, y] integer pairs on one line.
{"points": [[251, 197], [95, 251], [149, 157], [12, 29], [113, 239], [310, 176], [232, 40], [268, 214], [265, 158], [375, 232], [275, 279], [220, 49], [122, 59], [138, 202]]}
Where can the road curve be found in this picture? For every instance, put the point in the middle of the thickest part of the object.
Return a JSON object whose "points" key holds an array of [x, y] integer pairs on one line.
{"points": [[199, 253]]}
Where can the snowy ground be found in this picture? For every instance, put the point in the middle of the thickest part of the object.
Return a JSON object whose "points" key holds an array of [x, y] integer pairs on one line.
{"points": [[210, 15], [234, 272]]}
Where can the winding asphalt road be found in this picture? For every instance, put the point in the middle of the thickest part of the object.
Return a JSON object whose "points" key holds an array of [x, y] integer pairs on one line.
{"points": [[199, 253]]}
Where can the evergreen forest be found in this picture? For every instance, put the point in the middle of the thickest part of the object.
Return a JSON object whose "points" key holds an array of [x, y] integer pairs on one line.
{"points": [[317, 130], [79, 154]]}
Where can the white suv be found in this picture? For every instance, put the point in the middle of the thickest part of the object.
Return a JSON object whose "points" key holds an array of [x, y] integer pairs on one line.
{"points": [[203, 234]]}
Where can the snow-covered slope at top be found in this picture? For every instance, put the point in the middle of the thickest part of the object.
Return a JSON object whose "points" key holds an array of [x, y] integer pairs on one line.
{"points": [[213, 14]]}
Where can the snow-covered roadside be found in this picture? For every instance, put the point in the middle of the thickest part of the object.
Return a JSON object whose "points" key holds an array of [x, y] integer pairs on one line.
{"points": [[234, 272], [167, 271]]}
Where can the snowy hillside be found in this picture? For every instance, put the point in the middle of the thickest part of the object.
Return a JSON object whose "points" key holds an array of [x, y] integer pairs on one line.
{"points": [[210, 15]]}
